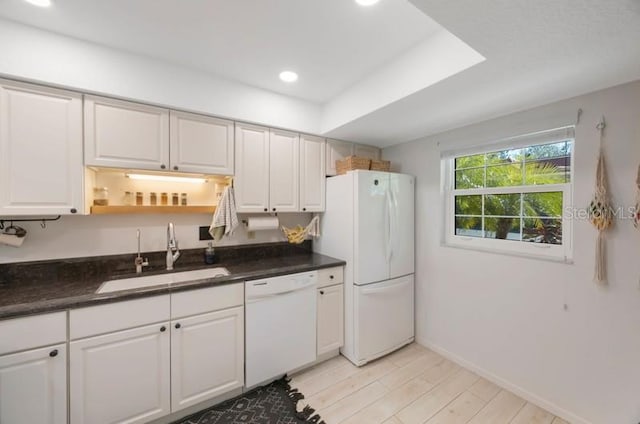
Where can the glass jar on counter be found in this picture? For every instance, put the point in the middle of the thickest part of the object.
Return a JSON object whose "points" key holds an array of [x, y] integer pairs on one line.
{"points": [[175, 200], [164, 199], [183, 199], [153, 198], [139, 198], [128, 198], [101, 196]]}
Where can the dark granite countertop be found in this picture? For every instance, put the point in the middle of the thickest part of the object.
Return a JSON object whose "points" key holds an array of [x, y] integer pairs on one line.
{"points": [[46, 286]]}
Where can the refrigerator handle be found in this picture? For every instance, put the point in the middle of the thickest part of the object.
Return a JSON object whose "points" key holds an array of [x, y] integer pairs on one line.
{"points": [[389, 225], [393, 226]]}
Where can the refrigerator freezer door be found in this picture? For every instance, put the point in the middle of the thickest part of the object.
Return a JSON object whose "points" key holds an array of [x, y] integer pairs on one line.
{"points": [[384, 318], [371, 247], [402, 233]]}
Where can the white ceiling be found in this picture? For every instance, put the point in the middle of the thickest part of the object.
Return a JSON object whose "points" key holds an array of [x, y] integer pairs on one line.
{"points": [[537, 52], [331, 44], [527, 53]]}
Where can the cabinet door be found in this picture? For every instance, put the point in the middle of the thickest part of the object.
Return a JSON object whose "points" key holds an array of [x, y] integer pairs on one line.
{"points": [[33, 386], [284, 171], [337, 150], [207, 356], [369, 152], [122, 134], [312, 173], [201, 144], [120, 377], [41, 169], [252, 168], [330, 318]]}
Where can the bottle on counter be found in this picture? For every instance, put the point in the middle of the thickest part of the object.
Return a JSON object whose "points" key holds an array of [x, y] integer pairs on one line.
{"points": [[101, 196], [209, 254], [139, 198], [153, 198], [183, 199], [175, 199], [164, 199]]}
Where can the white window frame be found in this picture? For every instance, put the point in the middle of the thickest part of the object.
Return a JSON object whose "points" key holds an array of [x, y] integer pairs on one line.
{"points": [[560, 253]]}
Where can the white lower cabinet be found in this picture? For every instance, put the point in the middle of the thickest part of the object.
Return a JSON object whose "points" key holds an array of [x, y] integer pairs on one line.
{"points": [[330, 324], [207, 356], [139, 360], [121, 377], [33, 386]]}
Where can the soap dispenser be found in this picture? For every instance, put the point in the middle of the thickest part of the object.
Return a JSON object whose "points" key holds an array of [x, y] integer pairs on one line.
{"points": [[209, 254]]}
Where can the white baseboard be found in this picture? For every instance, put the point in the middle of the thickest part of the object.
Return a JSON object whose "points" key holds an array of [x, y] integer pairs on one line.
{"points": [[525, 394]]}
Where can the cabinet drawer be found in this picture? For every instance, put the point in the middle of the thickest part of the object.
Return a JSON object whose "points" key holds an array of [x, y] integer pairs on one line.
{"points": [[31, 332], [102, 319], [211, 299], [330, 276]]}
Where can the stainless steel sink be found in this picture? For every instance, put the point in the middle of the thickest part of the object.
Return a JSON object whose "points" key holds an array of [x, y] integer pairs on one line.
{"points": [[158, 280]]}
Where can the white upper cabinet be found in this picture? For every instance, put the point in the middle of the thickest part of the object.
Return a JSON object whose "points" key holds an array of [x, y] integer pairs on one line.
{"points": [[312, 173], [41, 170], [337, 150], [122, 134], [369, 152], [201, 144], [284, 171], [252, 168]]}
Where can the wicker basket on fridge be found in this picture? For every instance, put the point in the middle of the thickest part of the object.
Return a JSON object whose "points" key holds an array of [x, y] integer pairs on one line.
{"points": [[351, 163], [380, 165]]}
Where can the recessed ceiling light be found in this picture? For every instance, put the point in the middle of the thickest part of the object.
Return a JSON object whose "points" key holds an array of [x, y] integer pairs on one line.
{"points": [[366, 2], [288, 76], [39, 3]]}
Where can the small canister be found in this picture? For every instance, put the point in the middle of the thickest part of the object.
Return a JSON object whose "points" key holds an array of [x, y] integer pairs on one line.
{"points": [[139, 198], [175, 200], [101, 196], [128, 198], [153, 198], [164, 199], [183, 199]]}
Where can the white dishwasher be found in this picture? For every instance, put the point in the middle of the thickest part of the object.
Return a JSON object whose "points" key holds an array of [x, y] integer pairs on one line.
{"points": [[280, 325]]}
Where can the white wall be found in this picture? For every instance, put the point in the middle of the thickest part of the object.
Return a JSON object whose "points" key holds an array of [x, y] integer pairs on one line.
{"points": [[504, 315], [41, 56], [94, 235]]}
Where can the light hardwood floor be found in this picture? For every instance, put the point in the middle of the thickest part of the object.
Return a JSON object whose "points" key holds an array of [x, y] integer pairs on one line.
{"points": [[413, 385]]}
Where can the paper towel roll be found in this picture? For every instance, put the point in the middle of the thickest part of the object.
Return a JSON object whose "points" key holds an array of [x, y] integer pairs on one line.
{"points": [[11, 240], [261, 223]]}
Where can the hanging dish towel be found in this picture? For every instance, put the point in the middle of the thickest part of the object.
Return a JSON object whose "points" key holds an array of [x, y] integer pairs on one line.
{"points": [[225, 219], [313, 229]]}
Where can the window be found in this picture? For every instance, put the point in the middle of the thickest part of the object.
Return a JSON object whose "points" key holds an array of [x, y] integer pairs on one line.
{"points": [[512, 197]]}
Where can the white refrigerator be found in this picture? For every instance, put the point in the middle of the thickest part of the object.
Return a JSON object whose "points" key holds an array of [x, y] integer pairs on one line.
{"points": [[369, 222]]}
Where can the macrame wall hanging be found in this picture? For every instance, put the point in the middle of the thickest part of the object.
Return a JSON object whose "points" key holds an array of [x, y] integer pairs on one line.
{"points": [[600, 213], [636, 211]]}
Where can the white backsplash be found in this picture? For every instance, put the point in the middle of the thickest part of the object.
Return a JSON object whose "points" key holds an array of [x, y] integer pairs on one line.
{"points": [[94, 235]]}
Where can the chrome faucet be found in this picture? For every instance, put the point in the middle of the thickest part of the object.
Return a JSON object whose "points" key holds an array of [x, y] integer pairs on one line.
{"points": [[172, 246], [139, 261]]}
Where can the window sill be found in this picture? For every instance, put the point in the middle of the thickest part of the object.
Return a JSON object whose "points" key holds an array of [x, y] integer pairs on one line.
{"points": [[505, 252]]}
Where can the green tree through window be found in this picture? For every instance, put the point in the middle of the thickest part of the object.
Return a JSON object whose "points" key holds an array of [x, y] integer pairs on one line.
{"points": [[498, 194]]}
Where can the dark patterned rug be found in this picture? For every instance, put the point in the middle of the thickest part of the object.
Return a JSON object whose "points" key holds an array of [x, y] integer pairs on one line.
{"points": [[271, 404]]}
